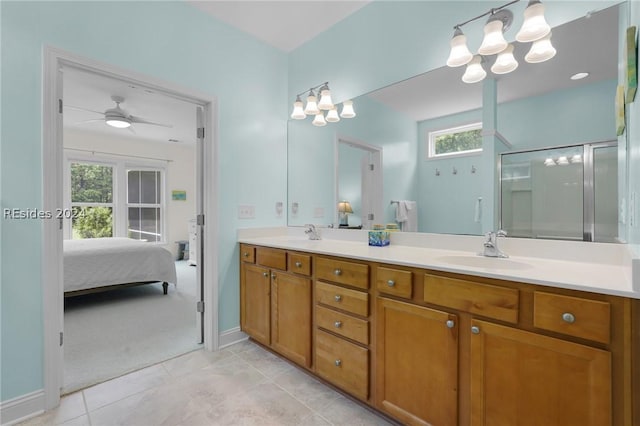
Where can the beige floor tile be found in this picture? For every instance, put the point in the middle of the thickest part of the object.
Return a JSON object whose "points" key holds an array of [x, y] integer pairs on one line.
{"points": [[345, 412], [78, 421], [114, 390], [269, 364], [306, 389], [194, 361], [241, 346], [71, 406], [315, 419]]}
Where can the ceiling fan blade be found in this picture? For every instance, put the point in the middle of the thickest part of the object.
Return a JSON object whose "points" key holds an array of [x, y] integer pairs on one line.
{"points": [[135, 119], [91, 121], [84, 109], [132, 130]]}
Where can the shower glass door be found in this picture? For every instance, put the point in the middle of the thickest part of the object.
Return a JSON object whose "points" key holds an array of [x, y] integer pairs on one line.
{"points": [[567, 193]]}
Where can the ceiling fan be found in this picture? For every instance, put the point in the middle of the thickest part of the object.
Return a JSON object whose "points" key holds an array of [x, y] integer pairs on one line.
{"points": [[118, 117]]}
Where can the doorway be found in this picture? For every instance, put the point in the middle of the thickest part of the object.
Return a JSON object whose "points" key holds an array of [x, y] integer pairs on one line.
{"points": [[56, 62]]}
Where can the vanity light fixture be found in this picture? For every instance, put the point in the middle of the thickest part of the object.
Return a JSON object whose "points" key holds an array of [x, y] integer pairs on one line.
{"points": [[579, 76], [549, 162], [317, 108], [534, 29]]}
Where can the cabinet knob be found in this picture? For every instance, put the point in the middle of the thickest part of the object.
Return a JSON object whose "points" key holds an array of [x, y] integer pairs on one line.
{"points": [[337, 324], [338, 362], [337, 298], [450, 324], [298, 264], [475, 329], [391, 283], [265, 274], [338, 272], [245, 254], [273, 276], [568, 317]]}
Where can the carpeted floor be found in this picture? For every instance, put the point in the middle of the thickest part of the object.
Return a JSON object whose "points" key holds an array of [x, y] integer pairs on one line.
{"points": [[112, 333]]}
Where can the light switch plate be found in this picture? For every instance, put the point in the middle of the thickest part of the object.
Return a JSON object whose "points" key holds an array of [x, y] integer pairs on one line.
{"points": [[246, 212]]}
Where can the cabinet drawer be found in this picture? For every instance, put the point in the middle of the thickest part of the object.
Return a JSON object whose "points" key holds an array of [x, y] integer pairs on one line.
{"points": [[247, 253], [300, 264], [483, 299], [395, 282], [342, 363], [353, 301], [271, 258], [349, 273], [575, 316], [343, 324]]}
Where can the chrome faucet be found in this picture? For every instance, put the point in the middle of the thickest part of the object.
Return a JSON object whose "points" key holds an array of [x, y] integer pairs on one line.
{"points": [[491, 244], [312, 232]]}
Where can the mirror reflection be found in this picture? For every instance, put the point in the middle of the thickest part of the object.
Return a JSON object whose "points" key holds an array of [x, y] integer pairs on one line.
{"points": [[537, 106]]}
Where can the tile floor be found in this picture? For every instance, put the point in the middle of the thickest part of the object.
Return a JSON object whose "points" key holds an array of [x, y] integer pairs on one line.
{"points": [[240, 385]]}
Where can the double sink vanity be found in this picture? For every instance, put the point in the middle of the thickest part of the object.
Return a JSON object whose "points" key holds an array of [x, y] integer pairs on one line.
{"points": [[428, 332]]}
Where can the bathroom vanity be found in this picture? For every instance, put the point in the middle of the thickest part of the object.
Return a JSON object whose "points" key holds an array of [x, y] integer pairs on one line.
{"points": [[440, 336]]}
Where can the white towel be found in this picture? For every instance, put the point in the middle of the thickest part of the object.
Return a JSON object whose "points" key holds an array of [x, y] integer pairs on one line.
{"points": [[407, 215]]}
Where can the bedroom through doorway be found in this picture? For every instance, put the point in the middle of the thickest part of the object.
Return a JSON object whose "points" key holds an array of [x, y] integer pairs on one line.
{"points": [[132, 249]]}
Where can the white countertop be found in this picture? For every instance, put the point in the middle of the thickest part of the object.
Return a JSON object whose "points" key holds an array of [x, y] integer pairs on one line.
{"points": [[593, 267]]}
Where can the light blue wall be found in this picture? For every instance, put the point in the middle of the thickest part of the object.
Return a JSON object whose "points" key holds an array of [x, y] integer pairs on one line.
{"points": [[633, 138], [167, 40]]}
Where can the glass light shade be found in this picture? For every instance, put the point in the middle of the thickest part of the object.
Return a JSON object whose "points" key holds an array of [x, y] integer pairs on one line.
{"points": [[118, 123], [505, 62], [562, 161], [298, 112], [347, 110], [332, 115], [474, 71], [534, 26], [312, 106], [541, 50], [319, 120], [325, 100], [577, 158], [460, 53], [493, 41], [549, 162]]}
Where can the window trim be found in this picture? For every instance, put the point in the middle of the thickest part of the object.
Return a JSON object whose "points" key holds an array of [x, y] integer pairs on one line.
{"points": [[432, 135], [161, 205]]}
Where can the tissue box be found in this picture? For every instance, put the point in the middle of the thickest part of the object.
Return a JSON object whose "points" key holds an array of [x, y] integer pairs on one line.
{"points": [[379, 238]]}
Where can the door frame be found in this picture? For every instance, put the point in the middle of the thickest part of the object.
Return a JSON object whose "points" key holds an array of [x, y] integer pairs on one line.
{"points": [[54, 59]]}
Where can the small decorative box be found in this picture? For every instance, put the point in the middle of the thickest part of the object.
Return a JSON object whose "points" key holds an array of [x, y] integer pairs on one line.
{"points": [[379, 238]]}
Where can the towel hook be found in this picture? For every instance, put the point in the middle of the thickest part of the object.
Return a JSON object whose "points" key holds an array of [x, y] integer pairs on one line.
{"points": [[455, 171], [473, 169], [437, 172]]}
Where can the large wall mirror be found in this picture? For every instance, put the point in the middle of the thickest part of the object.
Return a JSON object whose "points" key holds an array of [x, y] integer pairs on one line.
{"points": [[538, 106]]}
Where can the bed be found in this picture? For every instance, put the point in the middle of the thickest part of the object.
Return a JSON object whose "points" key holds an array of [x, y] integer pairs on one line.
{"points": [[97, 264]]}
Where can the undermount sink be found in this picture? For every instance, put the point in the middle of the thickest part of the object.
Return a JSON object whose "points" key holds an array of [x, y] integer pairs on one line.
{"points": [[484, 262]]}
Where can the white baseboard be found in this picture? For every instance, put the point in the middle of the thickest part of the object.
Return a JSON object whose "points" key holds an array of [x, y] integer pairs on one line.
{"points": [[231, 336], [22, 408]]}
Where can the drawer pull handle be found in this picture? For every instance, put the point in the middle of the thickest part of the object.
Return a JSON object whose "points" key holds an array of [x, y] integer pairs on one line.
{"points": [[450, 324], [245, 254], [475, 329], [298, 265], [391, 283], [337, 298], [338, 362], [338, 272], [265, 274], [568, 317], [337, 324]]}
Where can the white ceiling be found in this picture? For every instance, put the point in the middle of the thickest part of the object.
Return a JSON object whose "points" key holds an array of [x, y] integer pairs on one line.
{"points": [[582, 45], [282, 24]]}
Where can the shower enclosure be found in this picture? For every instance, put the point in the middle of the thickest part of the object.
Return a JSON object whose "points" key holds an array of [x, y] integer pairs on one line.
{"points": [[568, 193]]}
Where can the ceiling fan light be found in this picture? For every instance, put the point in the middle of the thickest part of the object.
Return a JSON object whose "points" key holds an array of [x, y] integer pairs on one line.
{"points": [[494, 41], [298, 111], [460, 53], [534, 26], [332, 115], [325, 103], [347, 110], [474, 72], [312, 105], [505, 62], [541, 50], [319, 120]]}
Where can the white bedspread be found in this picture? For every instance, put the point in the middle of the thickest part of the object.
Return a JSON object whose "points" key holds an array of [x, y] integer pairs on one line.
{"points": [[99, 262]]}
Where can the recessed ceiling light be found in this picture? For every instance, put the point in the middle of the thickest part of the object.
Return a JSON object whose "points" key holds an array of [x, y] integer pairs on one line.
{"points": [[579, 76]]}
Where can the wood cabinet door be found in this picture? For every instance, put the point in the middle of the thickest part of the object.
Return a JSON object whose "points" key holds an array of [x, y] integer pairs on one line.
{"points": [[523, 378], [255, 303], [417, 363], [291, 317]]}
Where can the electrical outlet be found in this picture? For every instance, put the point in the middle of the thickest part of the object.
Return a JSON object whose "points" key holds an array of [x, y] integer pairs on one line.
{"points": [[246, 212], [279, 207], [318, 212]]}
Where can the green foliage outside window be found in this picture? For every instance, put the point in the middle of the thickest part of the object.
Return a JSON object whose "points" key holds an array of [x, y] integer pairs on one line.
{"points": [[91, 183], [92, 222], [458, 142]]}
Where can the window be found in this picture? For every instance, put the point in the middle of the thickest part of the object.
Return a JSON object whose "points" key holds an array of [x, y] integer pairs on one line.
{"points": [[144, 205], [455, 141], [91, 200]]}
